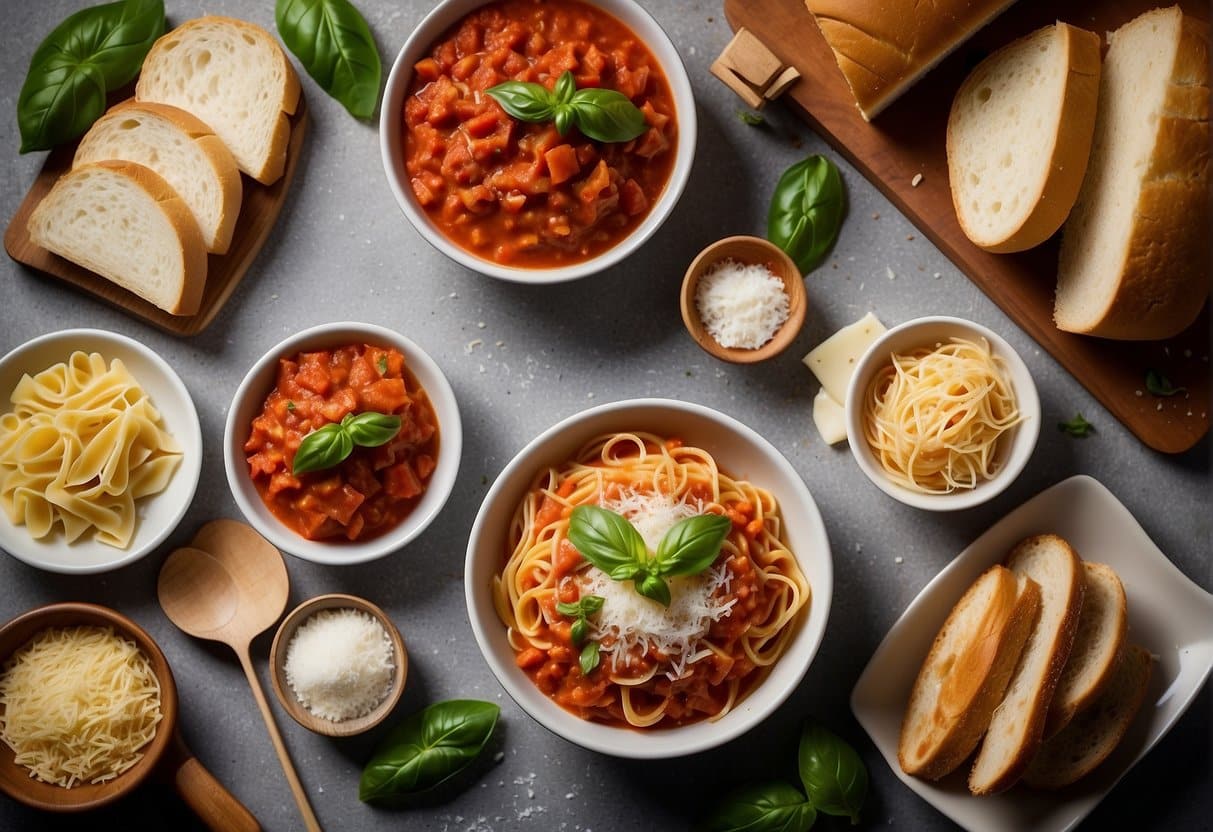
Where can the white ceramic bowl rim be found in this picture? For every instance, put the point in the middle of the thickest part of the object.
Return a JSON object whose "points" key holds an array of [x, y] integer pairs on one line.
{"points": [[343, 553], [799, 510], [1023, 436], [181, 488], [441, 18]]}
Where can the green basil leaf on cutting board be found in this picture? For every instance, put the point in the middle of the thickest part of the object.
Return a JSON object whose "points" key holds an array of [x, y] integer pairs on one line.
{"points": [[427, 749], [333, 42], [91, 53], [771, 807], [832, 772], [806, 211]]}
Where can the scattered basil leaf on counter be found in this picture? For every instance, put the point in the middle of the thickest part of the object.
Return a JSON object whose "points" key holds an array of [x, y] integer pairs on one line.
{"points": [[1160, 385], [332, 444], [600, 114], [834, 776], [334, 44], [774, 807], [692, 545], [589, 658], [91, 53], [806, 211], [752, 119], [426, 749], [1077, 426]]}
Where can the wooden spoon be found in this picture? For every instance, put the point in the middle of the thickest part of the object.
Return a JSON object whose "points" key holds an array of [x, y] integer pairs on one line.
{"points": [[230, 589]]}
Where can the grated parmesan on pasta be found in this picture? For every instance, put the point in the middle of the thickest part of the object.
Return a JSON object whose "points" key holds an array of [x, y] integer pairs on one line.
{"points": [[742, 305]]}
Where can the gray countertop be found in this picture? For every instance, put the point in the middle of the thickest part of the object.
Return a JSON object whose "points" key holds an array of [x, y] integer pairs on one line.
{"points": [[341, 250]]}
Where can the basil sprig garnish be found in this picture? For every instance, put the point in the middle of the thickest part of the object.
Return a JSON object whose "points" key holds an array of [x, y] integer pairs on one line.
{"points": [[607, 540], [334, 44], [806, 211], [427, 749], [1160, 385], [1077, 427], [602, 115], [586, 606], [331, 444]]}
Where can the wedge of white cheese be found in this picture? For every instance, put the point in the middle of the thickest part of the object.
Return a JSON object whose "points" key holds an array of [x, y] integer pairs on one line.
{"points": [[833, 362]]}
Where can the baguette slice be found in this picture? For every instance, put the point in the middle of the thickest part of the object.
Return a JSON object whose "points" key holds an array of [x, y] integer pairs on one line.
{"points": [[964, 675], [122, 221], [1097, 645], [1134, 254], [1019, 134], [235, 77], [1015, 731], [1092, 736], [183, 151]]}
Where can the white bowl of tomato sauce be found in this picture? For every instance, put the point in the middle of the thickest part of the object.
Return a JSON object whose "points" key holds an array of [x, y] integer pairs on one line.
{"points": [[363, 496], [520, 201], [526, 583]]}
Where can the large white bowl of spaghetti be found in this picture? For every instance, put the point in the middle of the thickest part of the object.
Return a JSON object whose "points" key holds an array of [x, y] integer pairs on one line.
{"points": [[736, 638]]}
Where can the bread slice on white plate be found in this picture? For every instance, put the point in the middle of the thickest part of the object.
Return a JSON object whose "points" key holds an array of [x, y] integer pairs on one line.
{"points": [[1015, 731], [124, 222], [1092, 735], [1097, 644], [235, 77], [1135, 250], [182, 150], [1019, 134], [963, 677]]}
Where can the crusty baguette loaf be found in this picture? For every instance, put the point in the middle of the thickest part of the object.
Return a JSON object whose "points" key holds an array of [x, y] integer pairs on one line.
{"points": [[1019, 134], [182, 150], [235, 77], [1134, 254], [124, 222], [1015, 731], [1092, 735], [964, 675], [1097, 645], [884, 46]]}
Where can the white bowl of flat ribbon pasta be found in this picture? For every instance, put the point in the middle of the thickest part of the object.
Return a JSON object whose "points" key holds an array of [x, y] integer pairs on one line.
{"points": [[100, 451], [664, 680], [942, 413]]}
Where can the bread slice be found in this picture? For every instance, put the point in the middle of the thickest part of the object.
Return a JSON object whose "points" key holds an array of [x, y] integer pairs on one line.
{"points": [[1015, 730], [964, 675], [235, 77], [1092, 736], [1097, 644], [1019, 134], [124, 222], [182, 150], [1134, 253]]}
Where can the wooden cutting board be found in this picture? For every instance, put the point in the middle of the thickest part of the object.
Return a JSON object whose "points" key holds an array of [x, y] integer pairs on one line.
{"points": [[908, 139], [258, 211]]}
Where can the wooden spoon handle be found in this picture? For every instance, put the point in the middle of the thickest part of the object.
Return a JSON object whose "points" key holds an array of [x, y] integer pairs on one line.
{"points": [[284, 756], [210, 801]]}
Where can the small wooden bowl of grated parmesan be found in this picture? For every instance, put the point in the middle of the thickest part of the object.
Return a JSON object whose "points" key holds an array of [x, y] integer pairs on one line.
{"points": [[339, 665], [743, 300]]}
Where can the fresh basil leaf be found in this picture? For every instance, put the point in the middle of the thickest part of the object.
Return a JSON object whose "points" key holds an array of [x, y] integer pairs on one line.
{"points": [[832, 772], [606, 539], [92, 52], [427, 748], [1077, 427], [607, 115], [591, 604], [322, 448], [654, 587], [625, 572], [524, 100], [571, 610], [370, 429], [334, 44], [773, 807], [1160, 385], [806, 211], [579, 631], [692, 545], [566, 86], [589, 658], [564, 118], [752, 119]]}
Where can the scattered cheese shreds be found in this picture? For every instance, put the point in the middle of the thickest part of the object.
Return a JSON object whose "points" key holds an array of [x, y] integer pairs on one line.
{"points": [[741, 305], [340, 664]]}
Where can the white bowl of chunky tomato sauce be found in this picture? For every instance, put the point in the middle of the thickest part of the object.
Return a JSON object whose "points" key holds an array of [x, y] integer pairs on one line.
{"points": [[518, 201], [378, 498], [539, 663]]}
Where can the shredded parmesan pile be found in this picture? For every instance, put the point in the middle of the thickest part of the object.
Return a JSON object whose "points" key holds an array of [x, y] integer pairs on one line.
{"points": [[741, 305], [78, 705], [340, 664]]}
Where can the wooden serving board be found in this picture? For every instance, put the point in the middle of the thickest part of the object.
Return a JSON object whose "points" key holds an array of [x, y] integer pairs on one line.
{"points": [[258, 211], [908, 139]]}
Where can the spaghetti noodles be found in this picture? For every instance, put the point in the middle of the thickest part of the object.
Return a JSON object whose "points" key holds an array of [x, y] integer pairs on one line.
{"points": [[696, 658]]}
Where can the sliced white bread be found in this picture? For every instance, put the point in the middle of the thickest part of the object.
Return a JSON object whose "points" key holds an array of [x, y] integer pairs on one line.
{"points": [[1019, 134], [1097, 644], [183, 150], [966, 672], [1134, 253], [1018, 723], [235, 77], [1092, 735], [124, 222]]}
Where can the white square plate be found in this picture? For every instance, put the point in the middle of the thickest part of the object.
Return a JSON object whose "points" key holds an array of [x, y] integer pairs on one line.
{"points": [[1168, 614]]}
